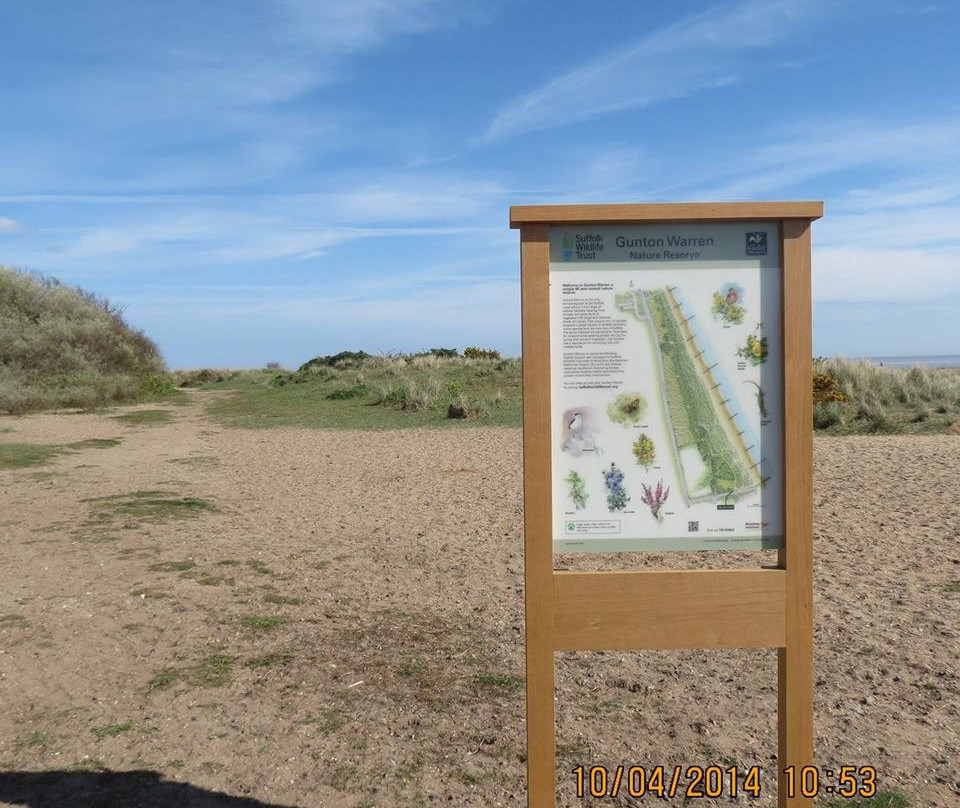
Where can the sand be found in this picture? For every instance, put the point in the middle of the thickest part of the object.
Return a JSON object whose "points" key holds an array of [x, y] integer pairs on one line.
{"points": [[395, 560]]}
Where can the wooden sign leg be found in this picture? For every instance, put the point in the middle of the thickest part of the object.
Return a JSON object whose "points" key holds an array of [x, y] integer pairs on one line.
{"points": [[538, 532], [795, 708], [795, 659], [541, 744]]}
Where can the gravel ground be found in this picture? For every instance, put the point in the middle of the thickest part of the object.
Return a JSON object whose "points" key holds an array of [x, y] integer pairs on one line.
{"points": [[316, 619]]}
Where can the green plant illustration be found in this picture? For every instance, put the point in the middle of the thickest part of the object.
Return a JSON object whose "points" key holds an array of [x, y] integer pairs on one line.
{"points": [[577, 490], [727, 305], [756, 349], [644, 451], [627, 409]]}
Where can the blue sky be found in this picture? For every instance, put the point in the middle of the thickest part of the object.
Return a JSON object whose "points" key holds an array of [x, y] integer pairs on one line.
{"points": [[259, 180]]}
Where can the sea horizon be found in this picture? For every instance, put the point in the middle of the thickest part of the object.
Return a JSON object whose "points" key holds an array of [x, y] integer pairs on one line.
{"points": [[913, 360]]}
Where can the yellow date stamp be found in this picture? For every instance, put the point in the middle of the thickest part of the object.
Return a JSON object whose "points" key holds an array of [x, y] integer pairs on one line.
{"points": [[666, 782]]}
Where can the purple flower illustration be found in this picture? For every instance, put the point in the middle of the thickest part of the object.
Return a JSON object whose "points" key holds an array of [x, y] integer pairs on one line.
{"points": [[654, 498]]}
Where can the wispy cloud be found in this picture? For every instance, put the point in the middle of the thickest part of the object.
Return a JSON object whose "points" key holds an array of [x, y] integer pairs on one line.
{"points": [[863, 274], [829, 147], [239, 230], [10, 225], [699, 53], [204, 96]]}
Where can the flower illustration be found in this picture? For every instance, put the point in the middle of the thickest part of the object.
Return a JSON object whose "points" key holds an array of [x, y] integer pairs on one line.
{"points": [[617, 497], [654, 498], [644, 451], [755, 349]]}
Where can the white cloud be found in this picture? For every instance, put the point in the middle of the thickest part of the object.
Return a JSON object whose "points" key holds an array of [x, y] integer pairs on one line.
{"points": [[10, 225], [922, 148], [345, 26], [865, 275], [699, 53]]}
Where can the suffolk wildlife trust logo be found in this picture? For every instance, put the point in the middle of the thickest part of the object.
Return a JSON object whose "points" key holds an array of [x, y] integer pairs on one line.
{"points": [[756, 244], [581, 246]]}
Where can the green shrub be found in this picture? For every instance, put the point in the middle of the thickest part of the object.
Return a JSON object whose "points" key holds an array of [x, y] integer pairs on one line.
{"points": [[156, 384], [343, 359], [342, 393], [480, 353], [827, 414]]}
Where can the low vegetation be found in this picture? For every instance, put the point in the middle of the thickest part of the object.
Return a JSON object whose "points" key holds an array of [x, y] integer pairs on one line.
{"points": [[64, 347], [23, 455], [857, 397], [441, 387], [354, 390]]}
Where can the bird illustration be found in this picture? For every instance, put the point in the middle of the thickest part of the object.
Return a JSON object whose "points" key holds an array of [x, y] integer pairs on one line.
{"points": [[575, 423]]}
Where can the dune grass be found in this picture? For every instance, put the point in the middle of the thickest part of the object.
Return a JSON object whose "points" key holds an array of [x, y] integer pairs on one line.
{"points": [[65, 347], [379, 392], [428, 390], [864, 398]]}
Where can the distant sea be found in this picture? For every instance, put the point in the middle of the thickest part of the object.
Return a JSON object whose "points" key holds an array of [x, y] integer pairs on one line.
{"points": [[942, 361]]}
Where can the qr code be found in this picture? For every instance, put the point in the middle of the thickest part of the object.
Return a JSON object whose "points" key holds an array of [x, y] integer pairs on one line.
{"points": [[693, 527]]}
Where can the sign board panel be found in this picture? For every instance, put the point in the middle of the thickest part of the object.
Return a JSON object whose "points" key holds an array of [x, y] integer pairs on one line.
{"points": [[667, 386], [667, 381]]}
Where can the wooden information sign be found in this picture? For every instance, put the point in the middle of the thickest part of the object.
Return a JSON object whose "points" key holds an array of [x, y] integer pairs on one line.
{"points": [[667, 405]]}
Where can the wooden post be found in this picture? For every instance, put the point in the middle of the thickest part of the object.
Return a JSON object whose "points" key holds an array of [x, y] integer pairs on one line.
{"points": [[538, 538], [769, 608], [795, 659]]}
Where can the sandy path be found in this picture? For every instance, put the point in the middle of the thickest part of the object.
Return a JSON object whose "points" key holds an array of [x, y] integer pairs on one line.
{"points": [[396, 560]]}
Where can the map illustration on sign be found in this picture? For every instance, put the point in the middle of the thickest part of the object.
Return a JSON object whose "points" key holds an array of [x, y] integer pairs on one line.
{"points": [[667, 384]]}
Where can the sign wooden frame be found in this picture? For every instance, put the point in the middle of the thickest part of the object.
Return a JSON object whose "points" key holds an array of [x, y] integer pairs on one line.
{"points": [[744, 608]]}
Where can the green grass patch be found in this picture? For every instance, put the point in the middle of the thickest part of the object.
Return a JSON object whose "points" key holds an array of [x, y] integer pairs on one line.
{"points": [[953, 586], [172, 566], [215, 670], [149, 506], [380, 392], [163, 680], [884, 799], [35, 740], [270, 660], [258, 567], [283, 600], [212, 671], [96, 443], [111, 730], [263, 621], [88, 764], [501, 681], [23, 455], [145, 417], [213, 580], [13, 621]]}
